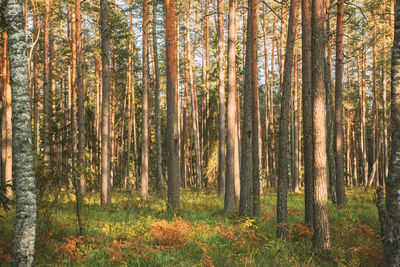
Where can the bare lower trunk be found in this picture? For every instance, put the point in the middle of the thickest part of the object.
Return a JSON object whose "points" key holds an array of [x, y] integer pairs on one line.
{"points": [[232, 142], [172, 109], [321, 236]]}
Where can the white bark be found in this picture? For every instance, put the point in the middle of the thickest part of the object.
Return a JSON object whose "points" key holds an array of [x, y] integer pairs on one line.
{"points": [[25, 220]]}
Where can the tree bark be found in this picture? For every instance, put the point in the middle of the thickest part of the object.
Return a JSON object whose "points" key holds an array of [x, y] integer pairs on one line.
{"points": [[105, 105], [295, 129], [46, 86], [172, 109], [248, 175], [384, 116], [80, 102], [159, 177], [145, 106], [255, 111], [283, 175], [6, 127], [23, 247], [232, 142], [307, 109], [391, 243], [340, 189], [221, 97], [321, 236]]}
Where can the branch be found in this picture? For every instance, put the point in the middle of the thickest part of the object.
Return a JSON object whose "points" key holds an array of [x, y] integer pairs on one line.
{"points": [[273, 11]]}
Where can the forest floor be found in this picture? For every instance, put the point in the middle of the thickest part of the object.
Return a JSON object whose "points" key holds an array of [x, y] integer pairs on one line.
{"points": [[135, 233]]}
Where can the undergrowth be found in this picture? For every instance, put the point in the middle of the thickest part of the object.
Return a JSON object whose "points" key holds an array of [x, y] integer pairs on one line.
{"points": [[135, 233]]}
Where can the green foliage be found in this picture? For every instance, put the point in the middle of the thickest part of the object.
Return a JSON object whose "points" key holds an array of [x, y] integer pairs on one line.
{"points": [[137, 233]]}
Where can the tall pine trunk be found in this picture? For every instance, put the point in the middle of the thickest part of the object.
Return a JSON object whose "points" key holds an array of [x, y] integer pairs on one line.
{"points": [[283, 175], [6, 127], [232, 141], [221, 98], [340, 189], [80, 100], [321, 236], [172, 109], [159, 176], [105, 105], [145, 105], [307, 109]]}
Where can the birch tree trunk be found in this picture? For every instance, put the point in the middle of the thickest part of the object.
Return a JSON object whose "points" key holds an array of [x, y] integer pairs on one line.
{"points": [[391, 243], [23, 248]]}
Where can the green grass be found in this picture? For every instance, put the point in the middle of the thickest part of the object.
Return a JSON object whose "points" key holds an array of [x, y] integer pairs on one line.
{"points": [[134, 233]]}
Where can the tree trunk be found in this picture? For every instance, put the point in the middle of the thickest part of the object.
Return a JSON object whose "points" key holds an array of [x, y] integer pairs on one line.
{"points": [[363, 113], [283, 175], [391, 243], [248, 173], [329, 108], [35, 89], [321, 236], [23, 247], [221, 97], [80, 102], [172, 109], [266, 102], [159, 177], [384, 115], [46, 86], [255, 109], [232, 142], [307, 109], [105, 105], [145, 106], [375, 127], [73, 98], [340, 189], [6, 129], [295, 133], [130, 86]]}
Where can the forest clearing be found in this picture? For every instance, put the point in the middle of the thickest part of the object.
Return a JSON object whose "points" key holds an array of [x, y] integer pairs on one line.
{"points": [[134, 233], [200, 133]]}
